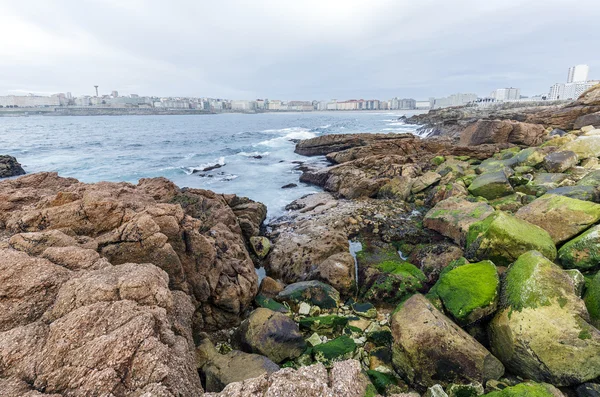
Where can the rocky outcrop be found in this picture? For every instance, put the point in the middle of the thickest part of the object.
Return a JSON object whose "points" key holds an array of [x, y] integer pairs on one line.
{"points": [[78, 331], [502, 131], [9, 166], [193, 235]]}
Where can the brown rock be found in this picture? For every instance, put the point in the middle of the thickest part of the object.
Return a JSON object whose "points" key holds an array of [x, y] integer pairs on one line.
{"points": [[502, 131], [270, 287]]}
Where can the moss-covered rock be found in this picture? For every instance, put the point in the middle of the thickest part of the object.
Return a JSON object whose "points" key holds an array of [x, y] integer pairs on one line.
{"points": [[424, 181], [365, 309], [429, 348], [381, 380], [560, 161], [527, 389], [541, 332], [587, 193], [260, 245], [397, 188], [562, 217], [491, 185], [582, 252], [591, 179], [470, 390], [511, 203], [592, 299], [314, 292], [437, 160], [547, 180], [452, 217], [337, 349], [271, 304], [502, 238], [469, 292], [584, 146], [271, 334], [391, 281]]}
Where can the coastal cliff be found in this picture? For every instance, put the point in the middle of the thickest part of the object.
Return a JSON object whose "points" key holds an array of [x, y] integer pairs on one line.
{"points": [[457, 265]]}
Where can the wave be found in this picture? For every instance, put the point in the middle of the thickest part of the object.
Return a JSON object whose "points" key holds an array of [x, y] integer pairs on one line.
{"points": [[397, 123], [286, 130], [205, 167], [254, 154], [296, 134]]}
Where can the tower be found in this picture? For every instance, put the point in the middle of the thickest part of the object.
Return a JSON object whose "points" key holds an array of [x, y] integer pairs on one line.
{"points": [[96, 87]]}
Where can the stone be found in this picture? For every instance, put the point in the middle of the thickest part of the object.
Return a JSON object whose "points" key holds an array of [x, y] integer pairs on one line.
{"points": [[588, 389], [470, 390], [366, 310], [390, 281], [424, 181], [314, 339], [271, 334], [592, 300], [326, 325], [304, 308], [586, 193], [582, 252], [9, 166], [562, 217], [260, 245], [591, 179], [469, 292], [429, 348], [491, 185], [435, 391], [560, 161], [432, 258], [314, 292], [584, 146], [502, 238], [397, 188], [541, 332], [269, 287], [578, 280], [452, 217], [502, 131], [592, 119], [338, 349], [592, 132], [528, 389], [271, 304]]}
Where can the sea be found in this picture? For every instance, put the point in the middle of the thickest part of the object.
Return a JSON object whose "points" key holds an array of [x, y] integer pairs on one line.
{"points": [[247, 154]]}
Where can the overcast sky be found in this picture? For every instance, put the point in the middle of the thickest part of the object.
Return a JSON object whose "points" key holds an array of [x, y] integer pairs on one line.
{"points": [[294, 49]]}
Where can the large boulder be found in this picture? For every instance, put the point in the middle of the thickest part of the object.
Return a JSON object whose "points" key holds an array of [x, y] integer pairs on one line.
{"points": [[582, 252], [452, 217], [562, 217], [194, 235], [502, 238], [560, 161], [502, 131], [528, 389], [429, 348], [117, 330], [314, 292], [271, 334], [541, 332], [592, 299], [588, 119], [584, 146], [491, 185], [9, 166]]}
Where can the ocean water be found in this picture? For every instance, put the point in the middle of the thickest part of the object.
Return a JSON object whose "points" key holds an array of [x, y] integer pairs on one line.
{"points": [[254, 152]]}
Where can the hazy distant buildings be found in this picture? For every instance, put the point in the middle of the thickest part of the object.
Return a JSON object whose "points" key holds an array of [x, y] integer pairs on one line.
{"points": [[506, 94], [454, 100], [423, 105], [577, 83], [245, 106], [29, 101], [578, 74], [402, 104]]}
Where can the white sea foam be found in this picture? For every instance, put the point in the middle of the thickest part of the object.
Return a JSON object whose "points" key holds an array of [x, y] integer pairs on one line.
{"points": [[254, 154], [302, 133], [204, 167]]}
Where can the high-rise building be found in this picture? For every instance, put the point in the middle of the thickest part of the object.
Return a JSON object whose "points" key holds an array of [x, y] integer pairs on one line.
{"points": [[578, 74], [506, 94]]}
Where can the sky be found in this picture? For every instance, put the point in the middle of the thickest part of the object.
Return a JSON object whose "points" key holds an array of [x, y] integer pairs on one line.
{"points": [[294, 49]]}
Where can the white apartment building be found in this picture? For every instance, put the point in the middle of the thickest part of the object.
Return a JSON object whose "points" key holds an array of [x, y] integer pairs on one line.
{"points": [[454, 100], [506, 94], [243, 105], [29, 101], [578, 74], [570, 90]]}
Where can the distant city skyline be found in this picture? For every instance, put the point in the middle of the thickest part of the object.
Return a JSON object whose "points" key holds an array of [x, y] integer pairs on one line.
{"points": [[290, 50]]}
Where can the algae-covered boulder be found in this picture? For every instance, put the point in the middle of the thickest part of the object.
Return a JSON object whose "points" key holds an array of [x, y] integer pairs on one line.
{"points": [[469, 292], [528, 389], [560, 161], [328, 324], [391, 281], [452, 217], [589, 390], [491, 185], [397, 188], [429, 348], [591, 179], [541, 332], [314, 292], [424, 181], [502, 238], [271, 334], [260, 245], [582, 252], [584, 146], [586, 193], [338, 349], [592, 300], [562, 217]]}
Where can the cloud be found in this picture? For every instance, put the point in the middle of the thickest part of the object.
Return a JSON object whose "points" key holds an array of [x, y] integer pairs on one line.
{"points": [[313, 49]]}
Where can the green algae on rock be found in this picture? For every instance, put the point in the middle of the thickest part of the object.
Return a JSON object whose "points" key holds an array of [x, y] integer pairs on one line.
{"points": [[327, 324], [336, 349], [469, 292], [527, 389], [491, 185], [592, 300], [268, 303], [260, 245], [314, 292], [582, 252], [562, 217], [502, 238], [391, 281]]}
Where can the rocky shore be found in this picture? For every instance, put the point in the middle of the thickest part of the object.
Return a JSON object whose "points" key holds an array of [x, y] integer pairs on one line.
{"points": [[464, 264]]}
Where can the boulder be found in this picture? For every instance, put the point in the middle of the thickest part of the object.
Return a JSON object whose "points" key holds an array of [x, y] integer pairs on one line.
{"points": [[338, 349], [389, 281], [562, 217], [432, 258], [429, 348], [592, 299], [424, 181], [397, 188], [452, 217], [491, 185], [9, 166], [588, 119], [541, 332], [314, 292], [469, 292], [502, 131], [591, 179], [528, 389], [582, 252], [586, 193], [344, 379], [260, 245], [560, 161], [502, 238], [584, 146], [588, 390], [271, 334]]}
